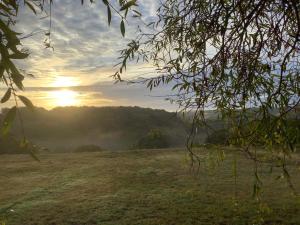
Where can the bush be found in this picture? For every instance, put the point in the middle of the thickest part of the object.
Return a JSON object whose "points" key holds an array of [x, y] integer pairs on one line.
{"points": [[11, 145], [218, 137], [154, 139], [88, 148]]}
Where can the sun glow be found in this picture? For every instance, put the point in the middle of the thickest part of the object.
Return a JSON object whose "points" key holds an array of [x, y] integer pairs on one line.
{"points": [[64, 98], [61, 81]]}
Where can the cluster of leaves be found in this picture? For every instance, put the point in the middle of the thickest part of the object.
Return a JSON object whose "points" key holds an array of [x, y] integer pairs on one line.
{"points": [[11, 50], [10, 145], [124, 6], [122, 12]]}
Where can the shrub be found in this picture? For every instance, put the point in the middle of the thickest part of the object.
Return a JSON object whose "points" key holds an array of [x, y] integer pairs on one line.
{"points": [[218, 137], [154, 139]]}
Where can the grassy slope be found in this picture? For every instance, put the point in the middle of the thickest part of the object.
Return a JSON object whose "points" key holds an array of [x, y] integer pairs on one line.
{"points": [[145, 187]]}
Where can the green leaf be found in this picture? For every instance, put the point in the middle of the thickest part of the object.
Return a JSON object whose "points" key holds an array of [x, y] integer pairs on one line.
{"points": [[17, 79], [27, 146], [13, 3], [19, 55], [26, 102], [2, 68], [128, 5], [33, 155], [137, 12], [24, 143], [15, 75], [8, 120], [6, 96], [31, 7], [108, 15], [105, 2], [122, 27]]}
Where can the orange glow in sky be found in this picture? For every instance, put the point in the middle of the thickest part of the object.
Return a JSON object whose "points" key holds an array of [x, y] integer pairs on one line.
{"points": [[64, 97]]}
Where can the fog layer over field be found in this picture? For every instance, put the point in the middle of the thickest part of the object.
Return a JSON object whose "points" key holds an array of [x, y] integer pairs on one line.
{"points": [[64, 128]]}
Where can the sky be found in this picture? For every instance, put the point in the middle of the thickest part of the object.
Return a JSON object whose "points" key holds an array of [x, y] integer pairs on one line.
{"points": [[78, 71]]}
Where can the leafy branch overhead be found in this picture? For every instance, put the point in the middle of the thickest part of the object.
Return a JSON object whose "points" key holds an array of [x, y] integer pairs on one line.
{"points": [[241, 58], [125, 6]]}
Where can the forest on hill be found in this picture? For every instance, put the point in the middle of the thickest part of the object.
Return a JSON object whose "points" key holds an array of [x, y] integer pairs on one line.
{"points": [[66, 128], [69, 129]]}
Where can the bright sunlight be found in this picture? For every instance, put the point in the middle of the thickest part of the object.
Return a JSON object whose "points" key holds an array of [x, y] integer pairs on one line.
{"points": [[64, 97]]}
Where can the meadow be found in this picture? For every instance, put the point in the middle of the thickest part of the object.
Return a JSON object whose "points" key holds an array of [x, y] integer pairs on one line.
{"points": [[141, 187]]}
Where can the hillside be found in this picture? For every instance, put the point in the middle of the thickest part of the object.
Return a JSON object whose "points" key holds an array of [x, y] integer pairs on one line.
{"points": [[66, 128], [109, 127]]}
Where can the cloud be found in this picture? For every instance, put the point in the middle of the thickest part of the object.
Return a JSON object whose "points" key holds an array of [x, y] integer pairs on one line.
{"points": [[85, 48], [81, 38]]}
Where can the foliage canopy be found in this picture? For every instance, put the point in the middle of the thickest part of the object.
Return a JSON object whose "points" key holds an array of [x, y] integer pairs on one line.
{"points": [[238, 57]]}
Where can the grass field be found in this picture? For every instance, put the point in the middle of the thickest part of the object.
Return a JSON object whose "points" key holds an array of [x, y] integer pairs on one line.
{"points": [[139, 187]]}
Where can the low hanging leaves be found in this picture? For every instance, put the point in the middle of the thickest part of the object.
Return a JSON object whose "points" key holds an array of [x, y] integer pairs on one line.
{"points": [[16, 76], [26, 102], [122, 27], [6, 96], [128, 5], [8, 120], [17, 79], [19, 55], [31, 6], [105, 2], [27, 146], [137, 13], [33, 155], [108, 14]]}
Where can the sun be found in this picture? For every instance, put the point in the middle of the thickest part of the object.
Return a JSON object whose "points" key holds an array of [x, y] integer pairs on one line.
{"points": [[64, 98]]}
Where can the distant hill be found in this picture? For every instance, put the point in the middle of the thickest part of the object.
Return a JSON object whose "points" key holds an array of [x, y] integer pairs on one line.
{"points": [[69, 128], [65, 128]]}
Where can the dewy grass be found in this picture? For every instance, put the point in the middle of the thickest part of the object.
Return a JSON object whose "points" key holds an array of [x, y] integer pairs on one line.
{"points": [[139, 187]]}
